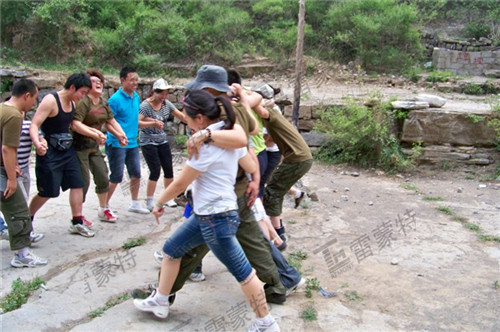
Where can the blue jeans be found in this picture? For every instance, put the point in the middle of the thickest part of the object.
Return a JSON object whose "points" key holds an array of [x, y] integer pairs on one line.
{"points": [[289, 276], [118, 158], [218, 231], [272, 159]]}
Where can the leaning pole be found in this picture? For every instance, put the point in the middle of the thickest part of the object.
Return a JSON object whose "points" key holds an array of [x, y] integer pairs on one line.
{"points": [[298, 62]]}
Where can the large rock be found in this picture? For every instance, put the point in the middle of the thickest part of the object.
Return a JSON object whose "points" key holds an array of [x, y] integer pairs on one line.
{"points": [[432, 100], [435, 126], [314, 138], [409, 104]]}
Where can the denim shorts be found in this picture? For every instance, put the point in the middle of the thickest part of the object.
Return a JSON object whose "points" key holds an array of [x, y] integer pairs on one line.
{"points": [[118, 158], [218, 231]]}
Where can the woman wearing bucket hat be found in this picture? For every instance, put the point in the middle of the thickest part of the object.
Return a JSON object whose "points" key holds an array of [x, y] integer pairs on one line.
{"points": [[153, 115]]}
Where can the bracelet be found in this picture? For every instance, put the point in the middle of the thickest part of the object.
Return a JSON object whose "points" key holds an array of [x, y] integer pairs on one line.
{"points": [[209, 138], [158, 205]]}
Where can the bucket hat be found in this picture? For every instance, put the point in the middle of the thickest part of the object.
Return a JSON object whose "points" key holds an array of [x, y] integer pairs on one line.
{"points": [[210, 76]]}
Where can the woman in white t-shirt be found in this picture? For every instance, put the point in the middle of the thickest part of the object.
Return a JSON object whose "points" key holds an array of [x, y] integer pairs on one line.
{"points": [[215, 219]]}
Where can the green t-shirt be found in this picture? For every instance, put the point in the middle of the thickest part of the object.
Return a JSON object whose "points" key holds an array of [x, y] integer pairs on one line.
{"points": [[244, 119], [11, 122], [93, 116], [291, 144], [259, 143]]}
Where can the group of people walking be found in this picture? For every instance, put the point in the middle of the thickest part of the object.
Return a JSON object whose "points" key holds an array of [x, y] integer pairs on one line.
{"points": [[223, 170]]}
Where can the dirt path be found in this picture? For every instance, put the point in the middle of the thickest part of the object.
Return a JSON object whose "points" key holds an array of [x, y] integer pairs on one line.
{"points": [[407, 266]]}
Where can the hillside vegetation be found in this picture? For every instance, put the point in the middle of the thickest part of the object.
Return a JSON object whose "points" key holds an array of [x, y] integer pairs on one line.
{"points": [[378, 35]]}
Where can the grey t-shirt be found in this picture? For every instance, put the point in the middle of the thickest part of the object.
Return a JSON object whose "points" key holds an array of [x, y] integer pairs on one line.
{"points": [[153, 135]]}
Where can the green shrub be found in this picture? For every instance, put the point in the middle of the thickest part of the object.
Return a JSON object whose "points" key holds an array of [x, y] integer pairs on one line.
{"points": [[439, 76], [473, 89], [477, 30], [360, 135], [379, 33]]}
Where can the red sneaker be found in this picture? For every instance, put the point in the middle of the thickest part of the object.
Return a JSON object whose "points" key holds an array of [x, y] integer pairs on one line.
{"points": [[106, 215]]}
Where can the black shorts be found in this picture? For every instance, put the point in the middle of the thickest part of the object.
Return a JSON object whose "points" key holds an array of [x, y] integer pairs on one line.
{"points": [[57, 169]]}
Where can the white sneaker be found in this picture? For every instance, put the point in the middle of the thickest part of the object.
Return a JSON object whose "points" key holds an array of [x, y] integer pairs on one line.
{"points": [[4, 234], [171, 203], [150, 205], [257, 326], [197, 277], [35, 237], [150, 305], [29, 260], [106, 215], [81, 229], [158, 255], [293, 289], [136, 207]]}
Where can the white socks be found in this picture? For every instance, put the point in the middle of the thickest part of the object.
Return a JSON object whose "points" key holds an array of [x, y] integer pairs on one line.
{"points": [[160, 298], [298, 193]]}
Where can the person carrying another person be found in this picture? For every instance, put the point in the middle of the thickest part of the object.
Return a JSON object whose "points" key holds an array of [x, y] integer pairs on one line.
{"points": [[125, 106], [56, 162], [154, 112], [215, 220], [92, 112], [12, 201], [297, 160]]}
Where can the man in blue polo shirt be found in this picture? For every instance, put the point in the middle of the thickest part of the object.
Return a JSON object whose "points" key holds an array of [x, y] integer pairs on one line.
{"points": [[125, 106]]}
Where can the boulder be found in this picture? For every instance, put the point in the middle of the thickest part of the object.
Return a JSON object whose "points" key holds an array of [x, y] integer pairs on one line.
{"points": [[314, 138], [436, 126], [409, 105], [432, 100]]}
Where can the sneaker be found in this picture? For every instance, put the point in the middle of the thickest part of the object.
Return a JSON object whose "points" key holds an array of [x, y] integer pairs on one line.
{"points": [[150, 205], [281, 233], [137, 208], [158, 255], [30, 260], [150, 305], [171, 203], [81, 229], [4, 234], [106, 215], [275, 298], [293, 289], [35, 237], [299, 199], [257, 326], [115, 212], [87, 223], [197, 277]]}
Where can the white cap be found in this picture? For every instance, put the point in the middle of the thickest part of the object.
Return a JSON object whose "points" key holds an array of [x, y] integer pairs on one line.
{"points": [[161, 84]]}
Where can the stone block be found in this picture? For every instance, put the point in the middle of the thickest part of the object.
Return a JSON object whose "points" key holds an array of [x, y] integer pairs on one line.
{"points": [[306, 125]]}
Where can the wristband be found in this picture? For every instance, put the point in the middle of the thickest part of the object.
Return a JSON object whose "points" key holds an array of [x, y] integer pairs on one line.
{"points": [[158, 205], [209, 138]]}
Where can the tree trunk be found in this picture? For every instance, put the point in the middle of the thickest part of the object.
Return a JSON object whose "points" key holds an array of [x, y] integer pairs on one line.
{"points": [[298, 62]]}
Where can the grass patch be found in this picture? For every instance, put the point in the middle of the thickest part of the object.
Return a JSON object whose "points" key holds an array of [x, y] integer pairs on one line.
{"points": [[410, 186], [446, 210], [460, 219], [109, 304], [295, 259], [469, 176], [292, 222], [489, 238], [353, 296], [309, 314], [312, 285], [433, 198], [19, 293], [134, 242], [472, 227], [496, 285]]}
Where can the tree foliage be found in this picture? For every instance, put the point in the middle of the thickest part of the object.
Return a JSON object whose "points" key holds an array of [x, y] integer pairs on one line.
{"points": [[380, 34]]}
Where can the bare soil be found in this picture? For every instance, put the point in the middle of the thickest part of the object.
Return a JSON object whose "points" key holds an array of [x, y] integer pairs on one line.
{"points": [[393, 248]]}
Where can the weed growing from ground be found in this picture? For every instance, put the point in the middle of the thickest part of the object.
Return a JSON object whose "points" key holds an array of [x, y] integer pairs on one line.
{"points": [[433, 198], [295, 259], [109, 304], [312, 285], [445, 210], [19, 293], [134, 242], [309, 314]]}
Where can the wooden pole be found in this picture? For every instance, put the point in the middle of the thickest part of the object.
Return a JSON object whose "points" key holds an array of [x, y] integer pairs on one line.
{"points": [[298, 62]]}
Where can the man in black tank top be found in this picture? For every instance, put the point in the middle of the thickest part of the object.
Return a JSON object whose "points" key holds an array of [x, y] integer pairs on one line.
{"points": [[57, 165]]}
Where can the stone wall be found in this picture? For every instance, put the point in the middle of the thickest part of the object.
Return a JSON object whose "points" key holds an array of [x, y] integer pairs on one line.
{"points": [[431, 40], [467, 63]]}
